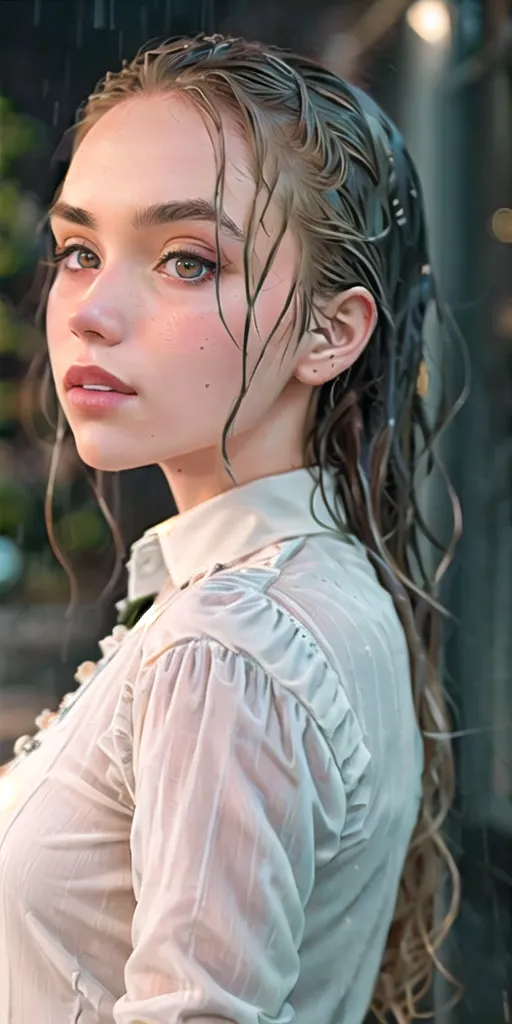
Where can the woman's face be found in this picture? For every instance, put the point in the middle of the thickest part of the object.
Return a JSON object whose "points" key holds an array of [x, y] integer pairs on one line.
{"points": [[137, 299]]}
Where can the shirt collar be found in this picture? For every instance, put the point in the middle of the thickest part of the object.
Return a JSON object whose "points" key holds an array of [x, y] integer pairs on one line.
{"points": [[229, 527]]}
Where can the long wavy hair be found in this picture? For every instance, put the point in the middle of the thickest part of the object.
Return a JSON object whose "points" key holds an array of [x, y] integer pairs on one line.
{"points": [[346, 184]]}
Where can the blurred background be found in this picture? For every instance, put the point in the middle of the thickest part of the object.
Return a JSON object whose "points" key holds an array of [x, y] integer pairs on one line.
{"points": [[443, 71]]}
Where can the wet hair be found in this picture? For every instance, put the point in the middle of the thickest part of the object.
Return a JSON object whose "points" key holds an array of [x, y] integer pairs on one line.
{"points": [[346, 184]]}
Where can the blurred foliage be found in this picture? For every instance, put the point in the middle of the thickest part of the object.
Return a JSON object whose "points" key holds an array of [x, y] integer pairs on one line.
{"points": [[15, 507], [83, 530], [18, 338], [19, 133], [22, 477], [8, 400], [18, 209]]}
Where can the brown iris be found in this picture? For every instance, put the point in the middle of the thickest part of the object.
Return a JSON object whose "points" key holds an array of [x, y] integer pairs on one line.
{"points": [[188, 267]]}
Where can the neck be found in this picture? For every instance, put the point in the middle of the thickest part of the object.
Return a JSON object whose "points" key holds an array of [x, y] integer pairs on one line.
{"points": [[273, 446]]}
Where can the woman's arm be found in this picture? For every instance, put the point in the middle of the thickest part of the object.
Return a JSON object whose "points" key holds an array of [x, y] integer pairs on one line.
{"points": [[223, 841]]}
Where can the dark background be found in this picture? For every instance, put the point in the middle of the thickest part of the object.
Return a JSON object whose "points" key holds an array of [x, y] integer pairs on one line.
{"points": [[454, 103]]}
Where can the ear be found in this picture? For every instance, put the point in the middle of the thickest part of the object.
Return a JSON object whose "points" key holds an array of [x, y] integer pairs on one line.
{"points": [[337, 336]]}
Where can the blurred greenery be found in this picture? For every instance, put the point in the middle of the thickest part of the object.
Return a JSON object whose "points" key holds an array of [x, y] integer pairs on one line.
{"points": [[15, 507], [18, 209], [19, 133], [18, 338], [83, 530], [79, 526]]}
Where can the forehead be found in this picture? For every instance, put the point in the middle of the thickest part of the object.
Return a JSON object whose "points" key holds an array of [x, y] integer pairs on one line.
{"points": [[156, 148]]}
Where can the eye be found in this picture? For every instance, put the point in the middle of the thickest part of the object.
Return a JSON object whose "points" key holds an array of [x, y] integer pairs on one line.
{"points": [[63, 255], [187, 266]]}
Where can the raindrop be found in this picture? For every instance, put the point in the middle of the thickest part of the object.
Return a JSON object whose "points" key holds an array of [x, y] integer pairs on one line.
{"points": [[67, 73], [46, 87], [120, 45], [37, 12], [99, 14], [79, 23], [167, 15], [111, 22], [208, 16], [144, 21], [56, 113]]}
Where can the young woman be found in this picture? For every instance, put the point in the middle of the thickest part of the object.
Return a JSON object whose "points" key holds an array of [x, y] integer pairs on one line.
{"points": [[236, 815]]}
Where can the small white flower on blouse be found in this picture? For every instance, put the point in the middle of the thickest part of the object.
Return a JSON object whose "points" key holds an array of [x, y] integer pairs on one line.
{"points": [[20, 743], [119, 633], [44, 718], [67, 699], [112, 642], [85, 671]]}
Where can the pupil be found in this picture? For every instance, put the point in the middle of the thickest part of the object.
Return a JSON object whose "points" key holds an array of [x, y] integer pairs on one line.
{"points": [[190, 268]]}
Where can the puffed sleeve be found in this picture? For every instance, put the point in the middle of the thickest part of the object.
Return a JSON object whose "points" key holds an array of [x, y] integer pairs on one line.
{"points": [[230, 774]]}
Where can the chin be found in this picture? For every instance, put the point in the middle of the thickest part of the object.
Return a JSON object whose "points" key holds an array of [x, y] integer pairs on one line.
{"points": [[106, 458]]}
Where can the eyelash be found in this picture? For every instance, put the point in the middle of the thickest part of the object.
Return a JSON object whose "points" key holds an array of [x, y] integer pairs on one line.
{"points": [[59, 255]]}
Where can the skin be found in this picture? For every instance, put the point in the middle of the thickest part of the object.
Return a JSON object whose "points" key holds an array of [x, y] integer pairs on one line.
{"points": [[160, 332]]}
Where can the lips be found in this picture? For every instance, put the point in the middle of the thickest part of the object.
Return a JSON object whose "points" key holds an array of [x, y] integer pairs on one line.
{"points": [[94, 376]]}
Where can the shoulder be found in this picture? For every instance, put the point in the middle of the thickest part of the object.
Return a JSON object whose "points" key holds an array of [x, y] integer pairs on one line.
{"points": [[256, 620], [276, 585], [240, 608]]}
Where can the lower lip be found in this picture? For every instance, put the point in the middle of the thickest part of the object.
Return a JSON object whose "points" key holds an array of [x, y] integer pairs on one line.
{"points": [[96, 401]]}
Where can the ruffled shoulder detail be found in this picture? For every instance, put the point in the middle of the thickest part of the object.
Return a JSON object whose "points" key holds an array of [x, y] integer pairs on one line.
{"points": [[233, 609]]}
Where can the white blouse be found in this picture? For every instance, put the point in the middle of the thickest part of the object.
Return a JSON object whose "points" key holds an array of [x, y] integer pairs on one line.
{"points": [[214, 827]]}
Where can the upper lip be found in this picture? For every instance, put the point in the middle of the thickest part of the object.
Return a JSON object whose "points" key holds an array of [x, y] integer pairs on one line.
{"points": [[77, 376]]}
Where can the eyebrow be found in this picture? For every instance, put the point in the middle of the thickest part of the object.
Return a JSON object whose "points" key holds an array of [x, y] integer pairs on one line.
{"points": [[152, 216]]}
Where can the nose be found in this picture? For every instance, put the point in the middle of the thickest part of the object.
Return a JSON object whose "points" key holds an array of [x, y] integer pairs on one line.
{"points": [[95, 320]]}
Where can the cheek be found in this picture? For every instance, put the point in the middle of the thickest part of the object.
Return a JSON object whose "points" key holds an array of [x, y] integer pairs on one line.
{"points": [[197, 351], [57, 312], [190, 356]]}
